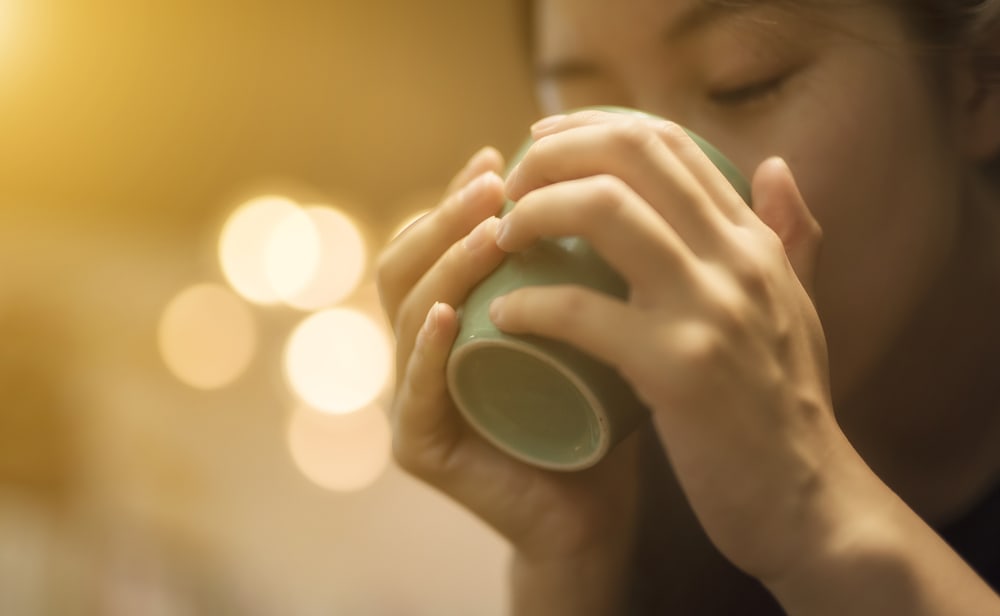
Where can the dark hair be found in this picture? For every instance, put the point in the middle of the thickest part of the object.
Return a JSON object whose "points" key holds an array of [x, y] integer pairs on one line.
{"points": [[952, 23], [963, 26]]}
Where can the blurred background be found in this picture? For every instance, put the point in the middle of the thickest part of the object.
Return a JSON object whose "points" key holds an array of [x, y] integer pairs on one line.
{"points": [[193, 369]]}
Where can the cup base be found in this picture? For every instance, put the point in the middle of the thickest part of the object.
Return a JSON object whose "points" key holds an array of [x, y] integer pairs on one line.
{"points": [[528, 404]]}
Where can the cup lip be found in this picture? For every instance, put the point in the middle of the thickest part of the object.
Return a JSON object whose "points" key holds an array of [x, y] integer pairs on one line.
{"points": [[604, 440]]}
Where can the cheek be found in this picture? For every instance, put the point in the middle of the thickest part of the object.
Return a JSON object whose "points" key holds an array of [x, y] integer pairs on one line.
{"points": [[879, 178]]}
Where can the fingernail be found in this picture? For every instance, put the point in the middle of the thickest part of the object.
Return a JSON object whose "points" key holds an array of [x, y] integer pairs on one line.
{"points": [[479, 156], [431, 322], [469, 190], [483, 233], [546, 123], [496, 308], [502, 231]]}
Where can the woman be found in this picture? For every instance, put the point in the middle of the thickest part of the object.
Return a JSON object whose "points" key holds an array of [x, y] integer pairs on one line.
{"points": [[823, 422]]}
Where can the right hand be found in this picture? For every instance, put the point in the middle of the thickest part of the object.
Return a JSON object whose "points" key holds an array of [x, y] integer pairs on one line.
{"points": [[549, 517]]}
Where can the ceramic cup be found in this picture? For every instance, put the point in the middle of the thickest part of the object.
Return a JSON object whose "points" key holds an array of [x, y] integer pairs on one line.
{"points": [[540, 400]]}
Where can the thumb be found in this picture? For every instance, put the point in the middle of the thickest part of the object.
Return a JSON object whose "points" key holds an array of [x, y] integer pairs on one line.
{"points": [[779, 204]]}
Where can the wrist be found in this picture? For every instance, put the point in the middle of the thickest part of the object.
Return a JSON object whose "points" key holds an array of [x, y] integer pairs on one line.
{"points": [[861, 546], [587, 583], [876, 556]]}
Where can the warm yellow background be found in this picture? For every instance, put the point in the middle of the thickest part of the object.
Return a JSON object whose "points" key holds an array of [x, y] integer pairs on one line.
{"points": [[128, 132]]}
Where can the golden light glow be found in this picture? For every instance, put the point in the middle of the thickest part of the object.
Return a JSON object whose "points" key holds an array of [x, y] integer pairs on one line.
{"points": [[7, 29], [292, 255], [207, 336], [366, 299], [338, 360], [244, 245], [340, 452], [338, 256]]}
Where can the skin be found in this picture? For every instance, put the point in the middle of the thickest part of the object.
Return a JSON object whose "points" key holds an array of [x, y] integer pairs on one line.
{"points": [[784, 380]]}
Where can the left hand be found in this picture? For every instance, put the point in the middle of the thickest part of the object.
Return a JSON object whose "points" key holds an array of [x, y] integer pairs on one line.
{"points": [[719, 336]]}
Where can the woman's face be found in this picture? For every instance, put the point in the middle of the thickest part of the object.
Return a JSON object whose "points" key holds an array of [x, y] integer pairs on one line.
{"points": [[837, 92]]}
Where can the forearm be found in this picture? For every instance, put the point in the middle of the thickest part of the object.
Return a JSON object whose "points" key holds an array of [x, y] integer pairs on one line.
{"points": [[885, 560]]}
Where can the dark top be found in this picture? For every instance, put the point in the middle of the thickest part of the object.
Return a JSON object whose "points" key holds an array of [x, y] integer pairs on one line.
{"points": [[707, 584], [976, 537]]}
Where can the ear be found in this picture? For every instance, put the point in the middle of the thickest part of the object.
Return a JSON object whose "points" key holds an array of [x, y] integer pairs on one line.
{"points": [[979, 91]]}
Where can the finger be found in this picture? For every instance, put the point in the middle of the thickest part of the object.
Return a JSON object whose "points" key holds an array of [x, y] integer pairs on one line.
{"points": [[662, 358], [635, 130], [486, 159], [575, 315], [729, 193], [560, 122], [425, 426], [406, 259], [622, 228], [433, 442], [640, 158], [449, 280], [779, 204]]}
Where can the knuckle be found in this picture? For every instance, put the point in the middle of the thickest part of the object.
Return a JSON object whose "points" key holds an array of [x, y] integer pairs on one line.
{"points": [[541, 149], [568, 309], [674, 135], [782, 334], [634, 135], [571, 300], [756, 261], [753, 276], [702, 344], [607, 196], [730, 317]]}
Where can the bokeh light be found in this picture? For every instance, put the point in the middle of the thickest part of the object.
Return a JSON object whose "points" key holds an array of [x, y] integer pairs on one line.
{"points": [[321, 255], [292, 255], [207, 336], [340, 452], [338, 360], [244, 244]]}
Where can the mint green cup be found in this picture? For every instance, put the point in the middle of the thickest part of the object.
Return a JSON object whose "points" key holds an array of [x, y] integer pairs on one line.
{"points": [[540, 400]]}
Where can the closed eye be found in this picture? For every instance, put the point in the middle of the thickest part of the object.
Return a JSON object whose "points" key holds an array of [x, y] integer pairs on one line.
{"points": [[748, 93]]}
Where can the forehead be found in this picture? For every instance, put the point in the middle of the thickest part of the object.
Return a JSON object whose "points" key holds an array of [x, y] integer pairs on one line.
{"points": [[569, 25], [566, 19], [564, 24]]}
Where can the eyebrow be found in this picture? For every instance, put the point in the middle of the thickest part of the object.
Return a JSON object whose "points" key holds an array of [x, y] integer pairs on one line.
{"points": [[700, 16], [704, 14]]}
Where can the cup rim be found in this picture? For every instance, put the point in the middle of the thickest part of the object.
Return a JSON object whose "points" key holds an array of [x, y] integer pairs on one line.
{"points": [[604, 439]]}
